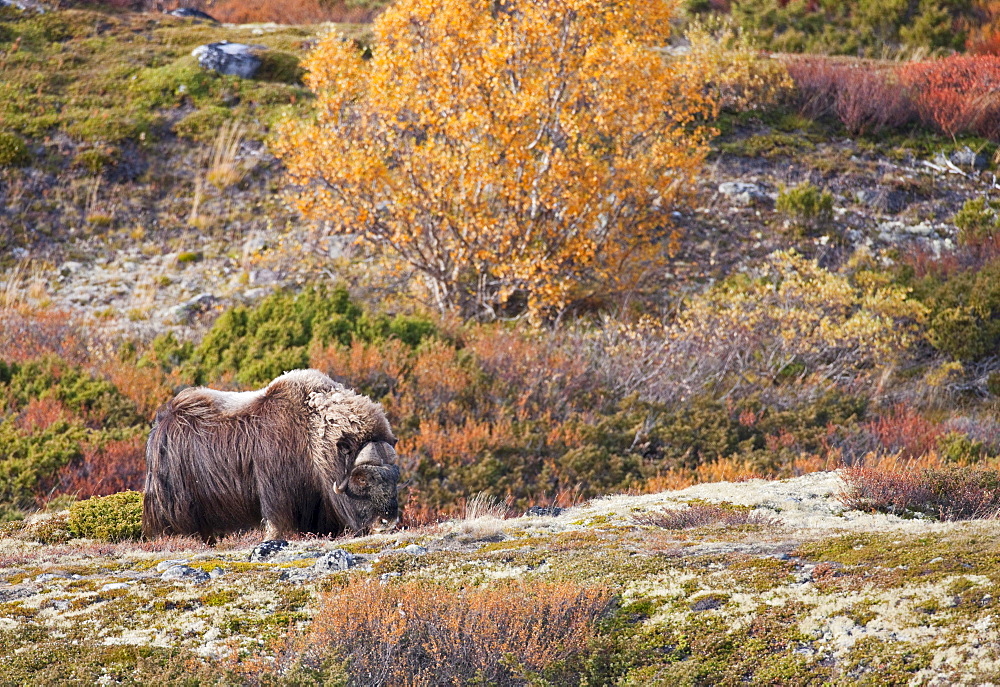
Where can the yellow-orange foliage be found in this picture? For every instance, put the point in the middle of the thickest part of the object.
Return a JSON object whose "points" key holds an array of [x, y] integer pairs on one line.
{"points": [[518, 153]]}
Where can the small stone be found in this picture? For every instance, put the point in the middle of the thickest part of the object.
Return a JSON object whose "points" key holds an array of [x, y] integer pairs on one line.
{"points": [[110, 587], [267, 549], [163, 565], [184, 573], [333, 561], [415, 549], [61, 605], [216, 572]]}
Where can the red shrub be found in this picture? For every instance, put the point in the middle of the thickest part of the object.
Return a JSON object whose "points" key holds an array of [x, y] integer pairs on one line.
{"points": [[117, 466], [864, 95], [905, 432], [816, 84], [870, 100], [40, 413], [949, 493], [30, 335], [957, 94]]}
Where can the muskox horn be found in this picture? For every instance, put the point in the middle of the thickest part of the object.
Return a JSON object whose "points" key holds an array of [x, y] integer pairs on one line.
{"points": [[339, 487], [376, 453]]}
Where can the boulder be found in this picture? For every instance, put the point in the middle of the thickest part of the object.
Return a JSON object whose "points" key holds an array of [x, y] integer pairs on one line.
{"points": [[267, 549], [235, 59], [184, 573], [333, 561], [189, 13], [967, 157]]}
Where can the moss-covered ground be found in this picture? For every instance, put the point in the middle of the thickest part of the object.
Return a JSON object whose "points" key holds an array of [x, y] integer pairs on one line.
{"points": [[840, 598]]}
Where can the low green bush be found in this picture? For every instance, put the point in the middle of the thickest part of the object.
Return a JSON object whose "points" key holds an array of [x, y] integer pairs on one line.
{"points": [[203, 125], [110, 518], [280, 66], [964, 311], [13, 150], [96, 160], [809, 208], [256, 344], [978, 221]]}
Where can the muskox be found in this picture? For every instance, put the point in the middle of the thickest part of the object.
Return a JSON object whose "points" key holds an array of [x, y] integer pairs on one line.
{"points": [[303, 454]]}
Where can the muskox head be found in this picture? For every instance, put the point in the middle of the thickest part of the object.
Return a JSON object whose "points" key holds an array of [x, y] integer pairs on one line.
{"points": [[371, 488]]}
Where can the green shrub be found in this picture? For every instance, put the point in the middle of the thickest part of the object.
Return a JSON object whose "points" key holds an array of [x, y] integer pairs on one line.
{"points": [[280, 66], [977, 221], [203, 124], [96, 160], [964, 317], [26, 460], [808, 208], [109, 518], [867, 28], [189, 256], [13, 150], [96, 399], [257, 344]]}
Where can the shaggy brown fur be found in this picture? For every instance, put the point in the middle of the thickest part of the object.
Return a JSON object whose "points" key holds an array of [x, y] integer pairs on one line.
{"points": [[304, 454]]}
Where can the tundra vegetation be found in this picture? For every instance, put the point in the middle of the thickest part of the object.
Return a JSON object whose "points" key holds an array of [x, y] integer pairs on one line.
{"points": [[574, 249]]}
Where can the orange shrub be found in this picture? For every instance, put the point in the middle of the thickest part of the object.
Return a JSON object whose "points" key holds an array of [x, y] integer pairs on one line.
{"points": [[420, 633], [957, 94]]}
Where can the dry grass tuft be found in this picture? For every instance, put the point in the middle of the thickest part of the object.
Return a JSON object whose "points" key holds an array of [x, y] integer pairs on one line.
{"points": [[420, 633], [703, 515]]}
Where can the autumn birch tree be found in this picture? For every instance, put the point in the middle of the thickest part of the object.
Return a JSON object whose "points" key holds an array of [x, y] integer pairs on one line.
{"points": [[518, 156]]}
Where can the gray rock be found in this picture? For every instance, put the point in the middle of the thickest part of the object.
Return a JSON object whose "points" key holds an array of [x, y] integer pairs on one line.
{"points": [[163, 565], [17, 592], [256, 243], [967, 157], [415, 549], [883, 200], [189, 13], [113, 586], [263, 277], [742, 192], [216, 572], [70, 267], [543, 511], [333, 561], [235, 59], [61, 604], [184, 573], [266, 550], [708, 603]]}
